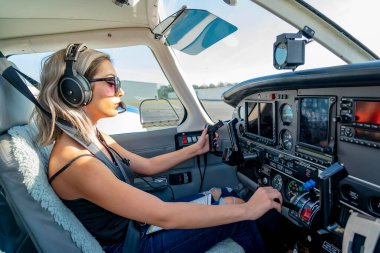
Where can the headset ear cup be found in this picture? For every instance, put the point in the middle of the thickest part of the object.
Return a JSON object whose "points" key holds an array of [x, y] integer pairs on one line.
{"points": [[86, 87], [75, 90]]}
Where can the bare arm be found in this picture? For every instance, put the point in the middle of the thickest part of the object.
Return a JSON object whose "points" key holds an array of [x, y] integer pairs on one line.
{"points": [[101, 187], [157, 164]]}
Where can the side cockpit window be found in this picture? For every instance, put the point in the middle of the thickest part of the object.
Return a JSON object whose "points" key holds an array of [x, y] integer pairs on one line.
{"points": [[142, 79], [145, 84]]}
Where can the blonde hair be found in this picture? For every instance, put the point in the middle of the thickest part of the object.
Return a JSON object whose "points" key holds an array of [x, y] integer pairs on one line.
{"points": [[53, 68]]}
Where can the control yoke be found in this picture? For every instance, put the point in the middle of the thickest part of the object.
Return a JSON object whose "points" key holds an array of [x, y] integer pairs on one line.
{"points": [[211, 131], [328, 189], [232, 155]]}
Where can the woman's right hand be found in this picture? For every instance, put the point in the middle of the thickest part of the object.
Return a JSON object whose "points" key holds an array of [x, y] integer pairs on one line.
{"points": [[264, 199]]}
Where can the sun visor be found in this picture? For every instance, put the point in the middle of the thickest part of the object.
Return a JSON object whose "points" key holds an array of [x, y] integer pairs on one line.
{"points": [[191, 31]]}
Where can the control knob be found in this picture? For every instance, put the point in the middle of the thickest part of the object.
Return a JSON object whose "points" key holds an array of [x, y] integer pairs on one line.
{"points": [[343, 119]]}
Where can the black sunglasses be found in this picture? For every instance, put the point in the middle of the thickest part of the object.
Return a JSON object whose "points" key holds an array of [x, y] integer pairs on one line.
{"points": [[115, 81]]}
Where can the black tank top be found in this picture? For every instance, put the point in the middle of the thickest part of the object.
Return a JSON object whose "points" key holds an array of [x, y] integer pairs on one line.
{"points": [[107, 227]]}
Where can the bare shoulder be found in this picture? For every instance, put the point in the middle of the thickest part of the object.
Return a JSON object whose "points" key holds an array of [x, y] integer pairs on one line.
{"points": [[111, 142], [108, 139], [69, 183], [64, 150]]}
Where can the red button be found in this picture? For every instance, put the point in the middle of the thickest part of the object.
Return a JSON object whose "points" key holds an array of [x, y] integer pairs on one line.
{"points": [[184, 140], [306, 214]]}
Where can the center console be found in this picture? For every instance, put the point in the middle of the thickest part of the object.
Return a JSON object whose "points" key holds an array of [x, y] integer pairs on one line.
{"points": [[287, 144]]}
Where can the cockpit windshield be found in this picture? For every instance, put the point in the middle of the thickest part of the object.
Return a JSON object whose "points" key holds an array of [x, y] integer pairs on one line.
{"points": [[354, 16], [248, 52]]}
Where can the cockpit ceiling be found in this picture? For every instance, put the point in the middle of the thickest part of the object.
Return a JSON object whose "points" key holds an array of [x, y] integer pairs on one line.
{"points": [[55, 17]]}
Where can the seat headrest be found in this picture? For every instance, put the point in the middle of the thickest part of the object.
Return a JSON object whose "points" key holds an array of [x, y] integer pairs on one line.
{"points": [[15, 109]]}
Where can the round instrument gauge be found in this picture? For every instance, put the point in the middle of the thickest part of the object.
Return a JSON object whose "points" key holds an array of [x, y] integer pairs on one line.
{"points": [[277, 182], [293, 189], [286, 139], [286, 114]]}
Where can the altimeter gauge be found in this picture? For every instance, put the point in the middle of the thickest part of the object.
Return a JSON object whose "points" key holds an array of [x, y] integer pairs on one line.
{"points": [[286, 139]]}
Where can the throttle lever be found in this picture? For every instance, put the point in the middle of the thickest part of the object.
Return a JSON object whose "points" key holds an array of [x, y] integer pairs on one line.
{"points": [[288, 205]]}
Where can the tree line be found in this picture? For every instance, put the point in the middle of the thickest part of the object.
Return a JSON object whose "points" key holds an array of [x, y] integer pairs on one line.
{"points": [[164, 90]]}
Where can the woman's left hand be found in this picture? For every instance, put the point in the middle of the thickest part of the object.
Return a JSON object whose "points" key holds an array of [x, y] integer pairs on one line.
{"points": [[203, 142]]}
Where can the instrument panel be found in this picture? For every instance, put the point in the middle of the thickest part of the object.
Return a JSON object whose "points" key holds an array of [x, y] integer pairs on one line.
{"points": [[295, 135]]}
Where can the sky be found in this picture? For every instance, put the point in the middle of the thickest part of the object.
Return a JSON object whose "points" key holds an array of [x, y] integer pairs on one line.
{"points": [[246, 53]]}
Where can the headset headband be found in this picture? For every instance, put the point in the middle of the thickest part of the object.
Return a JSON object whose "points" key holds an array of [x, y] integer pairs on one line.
{"points": [[73, 50]]}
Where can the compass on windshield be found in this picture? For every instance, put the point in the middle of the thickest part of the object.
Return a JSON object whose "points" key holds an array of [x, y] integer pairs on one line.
{"points": [[289, 49]]}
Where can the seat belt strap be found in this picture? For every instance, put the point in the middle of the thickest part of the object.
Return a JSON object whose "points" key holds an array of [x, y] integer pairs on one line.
{"points": [[28, 78]]}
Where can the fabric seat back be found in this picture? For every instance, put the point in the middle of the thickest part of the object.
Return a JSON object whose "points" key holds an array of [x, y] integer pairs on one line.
{"points": [[39, 223]]}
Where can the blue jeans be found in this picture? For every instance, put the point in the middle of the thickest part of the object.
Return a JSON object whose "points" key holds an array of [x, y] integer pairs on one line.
{"points": [[245, 233]]}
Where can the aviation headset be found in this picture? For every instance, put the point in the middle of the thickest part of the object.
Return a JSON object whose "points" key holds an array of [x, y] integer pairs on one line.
{"points": [[73, 88]]}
